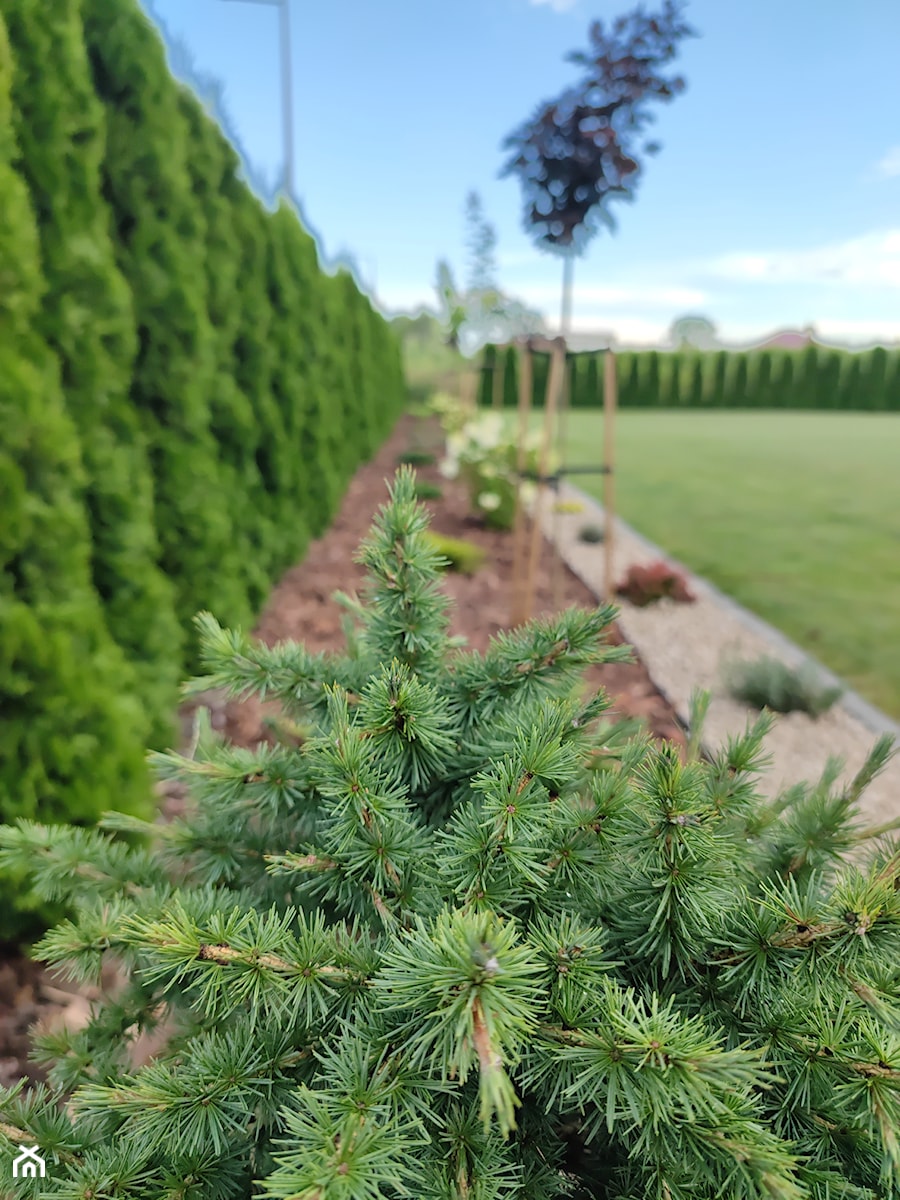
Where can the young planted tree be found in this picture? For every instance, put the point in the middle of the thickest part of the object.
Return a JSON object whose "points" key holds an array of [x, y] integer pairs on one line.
{"points": [[455, 939], [583, 150], [481, 313]]}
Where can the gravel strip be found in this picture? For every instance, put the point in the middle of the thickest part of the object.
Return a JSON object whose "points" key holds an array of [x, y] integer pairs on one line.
{"points": [[685, 646]]}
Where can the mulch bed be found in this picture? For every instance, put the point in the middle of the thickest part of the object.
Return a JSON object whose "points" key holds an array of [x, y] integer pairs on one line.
{"points": [[301, 608]]}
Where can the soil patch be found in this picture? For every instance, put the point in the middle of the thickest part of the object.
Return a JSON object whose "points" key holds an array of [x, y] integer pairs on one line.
{"points": [[301, 608]]}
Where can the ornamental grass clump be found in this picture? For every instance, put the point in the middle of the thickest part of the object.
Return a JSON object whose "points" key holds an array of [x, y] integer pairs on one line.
{"points": [[771, 683], [458, 554], [466, 941]]}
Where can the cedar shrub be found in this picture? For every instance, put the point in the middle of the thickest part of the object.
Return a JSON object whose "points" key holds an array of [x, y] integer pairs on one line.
{"points": [[465, 940]]}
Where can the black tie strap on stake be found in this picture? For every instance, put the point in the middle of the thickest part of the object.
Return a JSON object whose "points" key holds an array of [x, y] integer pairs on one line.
{"points": [[555, 479]]}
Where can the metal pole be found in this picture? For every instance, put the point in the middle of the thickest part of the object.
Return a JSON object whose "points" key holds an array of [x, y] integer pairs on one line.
{"points": [[287, 101]]}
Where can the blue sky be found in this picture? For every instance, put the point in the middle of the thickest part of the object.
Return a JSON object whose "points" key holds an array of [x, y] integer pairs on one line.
{"points": [[775, 201]]}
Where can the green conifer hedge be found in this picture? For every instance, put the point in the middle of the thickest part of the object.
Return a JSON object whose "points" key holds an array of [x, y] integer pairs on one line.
{"points": [[87, 316], [816, 377], [184, 392], [72, 725]]}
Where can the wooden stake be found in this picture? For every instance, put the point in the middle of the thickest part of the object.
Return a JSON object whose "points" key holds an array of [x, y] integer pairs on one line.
{"points": [[561, 430], [526, 379], [610, 401], [551, 400]]}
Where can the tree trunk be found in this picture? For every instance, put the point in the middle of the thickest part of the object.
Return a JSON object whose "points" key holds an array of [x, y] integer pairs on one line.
{"points": [[566, 315]]}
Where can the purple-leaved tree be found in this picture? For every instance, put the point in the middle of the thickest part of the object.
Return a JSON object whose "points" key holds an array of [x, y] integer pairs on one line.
{"points": [[583, 150]]}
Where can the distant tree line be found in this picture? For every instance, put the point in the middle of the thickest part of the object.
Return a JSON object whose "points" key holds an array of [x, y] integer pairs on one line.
{"points": [[816, 377]]}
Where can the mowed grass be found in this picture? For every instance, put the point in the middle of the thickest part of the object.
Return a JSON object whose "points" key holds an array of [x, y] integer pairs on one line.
{"points": [[795, 515]]}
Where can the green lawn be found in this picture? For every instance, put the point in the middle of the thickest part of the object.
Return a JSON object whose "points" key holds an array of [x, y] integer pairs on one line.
{"points": [[795, 515]]}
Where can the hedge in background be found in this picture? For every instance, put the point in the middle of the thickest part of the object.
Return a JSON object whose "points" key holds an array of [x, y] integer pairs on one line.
{"points": [[376, 368], [183, 393], [162, 252], [814, 378], [242, 426], [71, 725], [212, 169], [292, 260], [86, 315]]}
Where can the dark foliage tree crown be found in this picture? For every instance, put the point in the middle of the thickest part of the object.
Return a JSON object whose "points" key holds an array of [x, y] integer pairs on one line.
{"points": [[581, 151]]}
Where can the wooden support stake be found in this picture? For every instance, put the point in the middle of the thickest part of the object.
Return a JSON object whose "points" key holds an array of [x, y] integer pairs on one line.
{"points": [[526, 380], [561, 430], [610, 401], [554, 387]]}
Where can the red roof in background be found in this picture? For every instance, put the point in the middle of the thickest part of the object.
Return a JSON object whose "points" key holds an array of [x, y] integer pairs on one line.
{"points": [[788, 340]]}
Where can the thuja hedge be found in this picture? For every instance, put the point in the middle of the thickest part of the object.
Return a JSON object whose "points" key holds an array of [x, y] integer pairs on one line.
{"points": [[814, 378], [71, 720], [86, 315], [185, 395]]}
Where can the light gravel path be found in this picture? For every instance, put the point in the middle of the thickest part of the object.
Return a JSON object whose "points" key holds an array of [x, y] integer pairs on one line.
{"points": [[684, 647]]}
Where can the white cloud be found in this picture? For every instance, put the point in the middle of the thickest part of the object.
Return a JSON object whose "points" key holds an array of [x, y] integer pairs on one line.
{"points": [[510, 260], [556, 5], [889, 166], [850, 330], [587, 296], [406, 298], [545, 297], [628, 329], [872, 260], [865, 268]]}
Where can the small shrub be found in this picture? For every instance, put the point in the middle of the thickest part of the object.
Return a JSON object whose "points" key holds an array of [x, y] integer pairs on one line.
{"points": [[591, 533], [428, 491], [416, 458], [464, 557], [771, 683], [645, 585]]}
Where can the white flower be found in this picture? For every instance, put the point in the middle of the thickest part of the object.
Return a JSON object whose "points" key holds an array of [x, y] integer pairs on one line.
{"points": [[488, 470], [488, 431], [449, 467], [489, 501], [528, 493]]}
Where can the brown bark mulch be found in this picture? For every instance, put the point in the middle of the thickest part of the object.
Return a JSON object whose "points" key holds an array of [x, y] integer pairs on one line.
{"points": [[301, 608]]}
